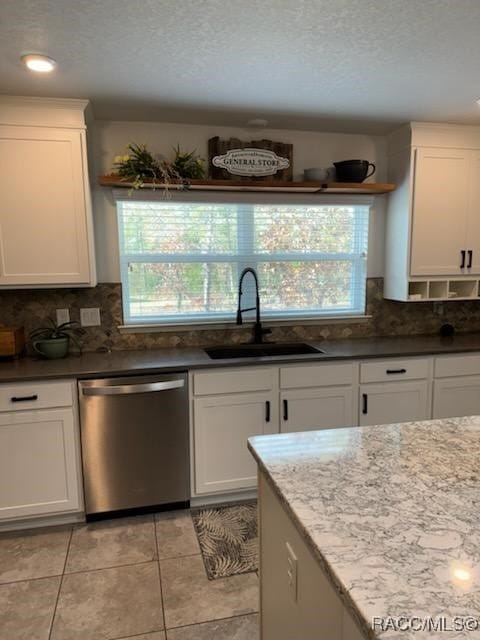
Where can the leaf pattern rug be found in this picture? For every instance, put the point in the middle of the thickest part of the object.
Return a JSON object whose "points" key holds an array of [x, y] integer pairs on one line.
{"points": [[228, 538]]}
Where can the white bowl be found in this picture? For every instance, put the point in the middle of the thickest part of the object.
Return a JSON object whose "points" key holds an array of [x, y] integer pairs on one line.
{"points": [[317, 173]]}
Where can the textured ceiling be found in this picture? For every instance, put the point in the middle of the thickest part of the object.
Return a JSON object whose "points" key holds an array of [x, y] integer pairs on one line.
{"points": [[346, 65]]}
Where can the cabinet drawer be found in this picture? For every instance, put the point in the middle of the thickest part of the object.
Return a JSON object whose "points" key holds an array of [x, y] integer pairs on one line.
{"points": [[397, 369], [35, 395], [323, 375], [449, 366], [234, 380]]}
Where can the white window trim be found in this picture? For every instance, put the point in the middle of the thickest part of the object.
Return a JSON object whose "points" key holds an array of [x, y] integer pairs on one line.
{"points": [[234, 197]]}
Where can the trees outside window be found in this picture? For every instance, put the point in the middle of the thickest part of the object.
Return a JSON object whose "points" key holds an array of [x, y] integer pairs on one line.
{"points": [[180, 261]]}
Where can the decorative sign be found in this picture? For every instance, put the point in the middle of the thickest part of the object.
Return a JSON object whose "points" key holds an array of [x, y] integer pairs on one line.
{"points": [[261, 159], [251, 162]]}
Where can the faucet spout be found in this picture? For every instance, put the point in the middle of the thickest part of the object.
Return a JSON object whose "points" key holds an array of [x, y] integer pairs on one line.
{"points": [[258, 331]]}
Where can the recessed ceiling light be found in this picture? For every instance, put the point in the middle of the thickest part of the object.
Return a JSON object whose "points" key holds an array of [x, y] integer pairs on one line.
{"points": [[39, 63]]}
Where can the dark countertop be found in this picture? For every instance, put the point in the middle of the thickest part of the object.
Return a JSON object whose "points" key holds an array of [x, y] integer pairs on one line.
{"points": [[117, 363]]}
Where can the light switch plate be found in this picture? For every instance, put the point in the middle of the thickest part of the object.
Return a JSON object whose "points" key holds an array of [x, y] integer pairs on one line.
{"points": [[90, 317], [63, 315]]}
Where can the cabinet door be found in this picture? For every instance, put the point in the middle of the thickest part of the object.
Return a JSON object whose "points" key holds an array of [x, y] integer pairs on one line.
{"points": [[440, 208], [44, 217], [323, 408], [221, 426], [394, 402], [454, 397], [473, 221], [39, 469]]}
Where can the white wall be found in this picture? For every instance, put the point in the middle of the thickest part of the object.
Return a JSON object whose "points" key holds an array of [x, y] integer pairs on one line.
{"points": [[310, 149]]}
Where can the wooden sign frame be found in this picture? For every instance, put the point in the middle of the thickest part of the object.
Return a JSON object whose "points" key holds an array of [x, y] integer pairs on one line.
{"points": [[275, 164]]}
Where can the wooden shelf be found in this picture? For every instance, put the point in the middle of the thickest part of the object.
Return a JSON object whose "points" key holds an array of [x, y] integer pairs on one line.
{"points": [[371, 188]]}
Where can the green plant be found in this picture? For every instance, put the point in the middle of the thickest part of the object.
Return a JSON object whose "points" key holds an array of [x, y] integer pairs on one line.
{"points": [[188, 165], [140, 164], [70, 330]]}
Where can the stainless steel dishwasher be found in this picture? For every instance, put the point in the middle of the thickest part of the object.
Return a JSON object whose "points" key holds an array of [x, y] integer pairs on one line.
{"points": [[135, 443]]}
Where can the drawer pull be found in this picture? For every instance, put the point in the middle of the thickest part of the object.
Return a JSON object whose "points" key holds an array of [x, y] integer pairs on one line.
{"points": [[364, 403], [394, 371], [23, 398]]}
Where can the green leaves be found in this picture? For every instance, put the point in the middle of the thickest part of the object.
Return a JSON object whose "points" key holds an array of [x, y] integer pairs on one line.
{"points": [[139, 164], [188, 164], [70, 330]]}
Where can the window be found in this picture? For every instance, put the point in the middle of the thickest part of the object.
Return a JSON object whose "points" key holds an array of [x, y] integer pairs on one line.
{"points": [[180, 261]]}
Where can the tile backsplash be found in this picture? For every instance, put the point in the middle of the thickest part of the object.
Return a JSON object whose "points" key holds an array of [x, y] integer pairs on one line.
{"points": [[30, 308]]}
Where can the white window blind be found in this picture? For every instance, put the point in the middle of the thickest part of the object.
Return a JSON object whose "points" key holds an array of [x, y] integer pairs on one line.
{"points": [[180, 261]]}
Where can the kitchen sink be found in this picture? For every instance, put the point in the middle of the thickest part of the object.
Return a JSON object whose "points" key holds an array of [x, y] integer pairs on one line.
{"points": [[261, 350]]}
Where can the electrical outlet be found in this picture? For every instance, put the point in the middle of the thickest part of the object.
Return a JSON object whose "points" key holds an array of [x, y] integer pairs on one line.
{"points": [[63, 315], [90, 317], [292, 567]]}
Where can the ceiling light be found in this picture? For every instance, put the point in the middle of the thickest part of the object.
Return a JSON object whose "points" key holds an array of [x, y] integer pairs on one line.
{"points": [[38, 63]]}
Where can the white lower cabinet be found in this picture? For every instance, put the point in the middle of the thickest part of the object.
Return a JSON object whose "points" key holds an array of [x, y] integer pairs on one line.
{"points": [[318, 396], [453, 397], [39, 456], [322, 408], [394, 402], [297, 599], [230, 405], [222, 425]]}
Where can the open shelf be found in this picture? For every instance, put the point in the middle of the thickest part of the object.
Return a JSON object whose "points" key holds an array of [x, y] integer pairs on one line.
{"points": [[443, 290], [372, 188]]}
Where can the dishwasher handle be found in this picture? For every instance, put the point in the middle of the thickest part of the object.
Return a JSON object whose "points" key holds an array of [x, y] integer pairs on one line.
{"points": [[127, 389]]}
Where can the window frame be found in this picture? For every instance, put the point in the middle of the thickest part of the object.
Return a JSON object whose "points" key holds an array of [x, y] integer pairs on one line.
{"points": [[359, 264]]}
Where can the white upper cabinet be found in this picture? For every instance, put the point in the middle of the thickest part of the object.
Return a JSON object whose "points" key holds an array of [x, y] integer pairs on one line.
{"points": [[440, 206], [433, 223], [473, 223], [46, 234]]}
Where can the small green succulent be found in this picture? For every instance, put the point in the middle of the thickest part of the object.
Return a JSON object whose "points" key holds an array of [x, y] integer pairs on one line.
{"points": [[188, 165]]}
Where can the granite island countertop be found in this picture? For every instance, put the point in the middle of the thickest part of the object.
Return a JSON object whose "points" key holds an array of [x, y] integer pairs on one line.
{"points": [[391, 512], [164, 360]]}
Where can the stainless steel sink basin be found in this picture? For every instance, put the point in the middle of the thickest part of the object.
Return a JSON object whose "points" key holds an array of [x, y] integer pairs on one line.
{"points": [[261, 350]]}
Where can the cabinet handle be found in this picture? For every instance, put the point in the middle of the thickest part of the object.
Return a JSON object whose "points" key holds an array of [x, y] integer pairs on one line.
{"points": [[23, 398], [392, 371], [285, 409], [267, 411], [470, 259], [364, 403], [463, 253]]}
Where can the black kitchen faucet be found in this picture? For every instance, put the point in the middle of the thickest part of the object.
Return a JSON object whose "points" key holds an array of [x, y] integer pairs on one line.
{"points": [[258, 330]]}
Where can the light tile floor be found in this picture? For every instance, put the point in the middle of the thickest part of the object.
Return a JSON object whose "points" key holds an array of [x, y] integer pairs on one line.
{"points": [[141, 578]]}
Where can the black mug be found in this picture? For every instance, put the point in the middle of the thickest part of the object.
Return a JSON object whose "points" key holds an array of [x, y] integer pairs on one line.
{"points": [[354, 170]]}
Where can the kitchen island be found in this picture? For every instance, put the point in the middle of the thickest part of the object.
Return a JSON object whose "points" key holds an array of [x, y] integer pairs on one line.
{"points": [[370, 532]]}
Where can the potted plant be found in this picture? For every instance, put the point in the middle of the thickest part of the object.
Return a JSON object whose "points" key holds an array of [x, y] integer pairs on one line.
{"points": [[139, 164], [187, 165], [54, 341]]}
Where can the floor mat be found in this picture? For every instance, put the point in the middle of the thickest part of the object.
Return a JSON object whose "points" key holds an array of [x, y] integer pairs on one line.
{"points": [[228, 538]]}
